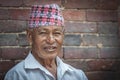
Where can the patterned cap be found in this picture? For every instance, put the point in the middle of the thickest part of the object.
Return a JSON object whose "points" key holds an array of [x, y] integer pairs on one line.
{"points": [[45, 15]]}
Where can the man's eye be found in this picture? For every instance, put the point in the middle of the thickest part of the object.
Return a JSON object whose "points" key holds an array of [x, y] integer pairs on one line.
{"points": [[42, 33], [57, 33]]}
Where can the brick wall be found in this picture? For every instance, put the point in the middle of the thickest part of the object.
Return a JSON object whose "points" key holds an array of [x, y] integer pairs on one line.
{"points": [[91, 40]]}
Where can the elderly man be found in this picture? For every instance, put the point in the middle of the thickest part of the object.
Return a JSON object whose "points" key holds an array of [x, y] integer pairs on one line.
{"points": [[45, 35]]}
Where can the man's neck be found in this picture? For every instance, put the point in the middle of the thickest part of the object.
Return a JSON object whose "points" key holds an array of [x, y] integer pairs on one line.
{"points": [[49, 64]]}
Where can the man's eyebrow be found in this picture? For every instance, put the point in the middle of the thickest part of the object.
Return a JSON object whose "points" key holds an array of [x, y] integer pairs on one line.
{"points": [[58, 29], [61, 30], [41, 29]]}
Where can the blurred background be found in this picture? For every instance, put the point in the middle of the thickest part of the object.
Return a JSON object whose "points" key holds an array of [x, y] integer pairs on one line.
{"points": [[92, 36]]}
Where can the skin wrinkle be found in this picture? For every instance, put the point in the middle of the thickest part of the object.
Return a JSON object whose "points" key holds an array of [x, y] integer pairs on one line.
{"points": [[46, 44], [45, 33]]}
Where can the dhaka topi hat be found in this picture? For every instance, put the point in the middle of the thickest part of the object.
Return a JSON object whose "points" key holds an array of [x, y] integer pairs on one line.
{"points": [[45, 15]]}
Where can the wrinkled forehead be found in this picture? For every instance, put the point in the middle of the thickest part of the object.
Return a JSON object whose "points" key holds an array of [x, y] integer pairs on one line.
{"points": [[47, 28]]}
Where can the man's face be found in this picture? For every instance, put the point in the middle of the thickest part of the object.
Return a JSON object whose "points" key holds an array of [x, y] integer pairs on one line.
{"points": [[46, 41]]}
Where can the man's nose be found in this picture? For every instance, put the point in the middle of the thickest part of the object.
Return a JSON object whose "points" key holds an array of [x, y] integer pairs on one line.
{"points": [[51, 39]]}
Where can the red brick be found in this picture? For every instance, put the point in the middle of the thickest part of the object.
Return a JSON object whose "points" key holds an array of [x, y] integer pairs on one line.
{"points": [[22, 40], [119, 19], [79, 64], [8, 40], [14, 14], [79, 4], [107, 4], [109, 41], [103, 65], [119, 31], [109, 53], [95, 65], [6, 65], [108, 28], [38, 2], [14, 26], [11, 2], [4, 14], [74, 15], [89, 27], [19, 14], [72, 40], [101, 15], [104, 75], [0, 53], [80, 53], [90, 40], [92, 4], [103, 40], [14, 53]]}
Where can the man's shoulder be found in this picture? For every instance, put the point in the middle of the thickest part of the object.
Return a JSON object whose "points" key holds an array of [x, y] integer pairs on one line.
{"points": [[67, 66], [16, 72], [76, 72], [18, 67], [73, 69]]}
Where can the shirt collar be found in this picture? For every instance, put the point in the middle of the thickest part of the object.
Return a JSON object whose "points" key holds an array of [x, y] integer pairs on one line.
{"points": [[62, 67], [32, 63]]}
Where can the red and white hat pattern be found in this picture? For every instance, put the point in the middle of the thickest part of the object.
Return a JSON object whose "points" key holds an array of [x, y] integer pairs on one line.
{"points": [[45, 15]]}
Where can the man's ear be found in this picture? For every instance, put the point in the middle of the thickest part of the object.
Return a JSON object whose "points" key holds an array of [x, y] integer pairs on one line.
{"points": [[29, 36], [63, 32]]}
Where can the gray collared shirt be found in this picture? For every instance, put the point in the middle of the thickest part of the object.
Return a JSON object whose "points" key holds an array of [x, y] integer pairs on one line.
{"points": [[30, 69]]}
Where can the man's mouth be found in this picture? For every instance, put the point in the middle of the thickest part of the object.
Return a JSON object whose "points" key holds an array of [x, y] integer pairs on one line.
{"points": [[50, 48]]}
